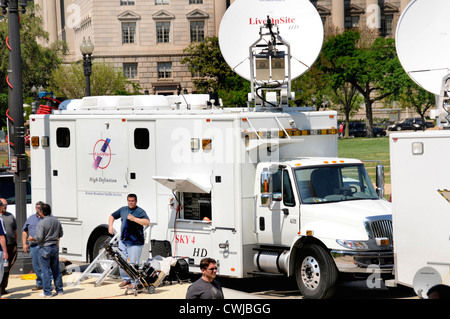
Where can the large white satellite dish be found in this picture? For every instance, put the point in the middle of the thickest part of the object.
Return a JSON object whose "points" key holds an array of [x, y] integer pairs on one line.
{"points": [[299, 24], [423, 42]]}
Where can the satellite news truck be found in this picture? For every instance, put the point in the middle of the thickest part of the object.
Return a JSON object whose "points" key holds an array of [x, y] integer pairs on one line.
{"points": [[421, 212], [260, 188], [419, 178]]}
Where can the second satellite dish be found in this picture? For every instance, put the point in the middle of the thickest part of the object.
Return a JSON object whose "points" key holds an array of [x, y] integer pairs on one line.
{"points": [[299, 24], [424, 279], [423, 42]]}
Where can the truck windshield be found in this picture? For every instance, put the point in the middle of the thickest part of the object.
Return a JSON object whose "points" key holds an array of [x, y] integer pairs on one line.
{"points": [[334, 184]]}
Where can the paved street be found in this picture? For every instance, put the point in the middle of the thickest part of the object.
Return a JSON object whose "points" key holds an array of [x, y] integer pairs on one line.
{"points": [[249, 288]]}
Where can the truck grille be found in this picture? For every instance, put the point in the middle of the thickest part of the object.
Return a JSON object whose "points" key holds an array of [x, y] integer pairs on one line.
{"points": [[382, 228]]}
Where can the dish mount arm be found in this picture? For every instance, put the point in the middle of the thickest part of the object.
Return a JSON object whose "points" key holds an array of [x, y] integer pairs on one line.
{"points": [[270, 68]]}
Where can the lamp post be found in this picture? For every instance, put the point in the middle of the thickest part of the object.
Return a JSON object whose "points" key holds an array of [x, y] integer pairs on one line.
{"points": [[19, 161], [87, 48]]}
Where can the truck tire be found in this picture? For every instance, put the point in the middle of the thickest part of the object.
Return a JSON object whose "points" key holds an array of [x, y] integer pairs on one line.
{"points": [[315, 273]]}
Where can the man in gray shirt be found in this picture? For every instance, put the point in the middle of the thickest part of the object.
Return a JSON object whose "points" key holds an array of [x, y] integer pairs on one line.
{"points": [[206, 287], [48, 233]]}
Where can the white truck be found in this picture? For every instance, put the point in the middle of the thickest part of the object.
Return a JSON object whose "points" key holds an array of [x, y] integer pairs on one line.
{"points": [[420, 182], [260, 189], [421, 218], [261, 192]]}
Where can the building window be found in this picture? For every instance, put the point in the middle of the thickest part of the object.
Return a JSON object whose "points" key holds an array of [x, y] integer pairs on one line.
{"points": [[128, 32], [162, 32], [164, 70], [130, 70], [127, 2], [387, 22], [352, 22], [161, 1], [195, 1], [197, 31]]}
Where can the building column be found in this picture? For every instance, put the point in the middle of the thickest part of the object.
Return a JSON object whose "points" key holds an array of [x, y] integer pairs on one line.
{"points": [[338, 13], [403, 4], [373, 14], [50, 19]]}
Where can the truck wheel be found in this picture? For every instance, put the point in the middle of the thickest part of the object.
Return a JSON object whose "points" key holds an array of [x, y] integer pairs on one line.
{"points": [[315, 273]]}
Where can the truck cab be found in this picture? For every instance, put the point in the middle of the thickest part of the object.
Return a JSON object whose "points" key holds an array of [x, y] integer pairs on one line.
{"points": [[318, 217]]}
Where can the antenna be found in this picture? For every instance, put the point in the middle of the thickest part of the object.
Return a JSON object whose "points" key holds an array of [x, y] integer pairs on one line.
{"points": [[423, 47], [290, 39], [270, 69]]}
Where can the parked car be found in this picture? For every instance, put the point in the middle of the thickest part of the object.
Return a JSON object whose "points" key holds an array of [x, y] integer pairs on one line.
{"points": [[7, 191], [410, 123], [358, 129]]}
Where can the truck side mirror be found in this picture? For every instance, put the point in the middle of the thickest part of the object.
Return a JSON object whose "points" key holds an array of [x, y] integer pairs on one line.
{"points": [[277, 197], [266, 188], [266, 200], [380, 180]]}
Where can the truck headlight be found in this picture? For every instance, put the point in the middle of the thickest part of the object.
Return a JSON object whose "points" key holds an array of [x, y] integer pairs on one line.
{"points": [[353, 244]]}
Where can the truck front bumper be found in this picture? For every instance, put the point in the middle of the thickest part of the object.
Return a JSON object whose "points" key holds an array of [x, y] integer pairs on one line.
{"points": [[364, 262]]}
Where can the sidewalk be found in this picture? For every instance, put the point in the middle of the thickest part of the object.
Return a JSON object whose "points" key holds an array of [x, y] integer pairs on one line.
{"points": [[19, 288]]}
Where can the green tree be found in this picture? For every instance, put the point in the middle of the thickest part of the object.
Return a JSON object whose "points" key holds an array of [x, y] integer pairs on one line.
{"points": [[370, 64], [37, 60], [69, 81], [312, 88], [347, 99], [419, 99], [205, 60]]}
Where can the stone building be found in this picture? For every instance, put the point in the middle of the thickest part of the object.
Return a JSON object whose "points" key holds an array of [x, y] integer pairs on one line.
{"points": [[147, 37], [346, 14]]}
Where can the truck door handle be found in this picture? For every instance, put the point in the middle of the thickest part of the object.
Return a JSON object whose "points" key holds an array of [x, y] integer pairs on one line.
{"points": [[262, 223], [224, 245], [285, 211]]}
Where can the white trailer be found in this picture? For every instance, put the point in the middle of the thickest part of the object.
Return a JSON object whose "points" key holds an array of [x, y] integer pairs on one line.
{"points": [[260, 189], [420, 199], [420, 192]]}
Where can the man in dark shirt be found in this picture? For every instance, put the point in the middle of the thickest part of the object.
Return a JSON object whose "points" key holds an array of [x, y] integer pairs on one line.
{"points": [[3, 250], [29, 230], [206, 287], [48, 233], [9, 221], [134, 219]]}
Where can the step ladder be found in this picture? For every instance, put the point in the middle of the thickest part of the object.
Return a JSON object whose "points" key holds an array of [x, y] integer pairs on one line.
{"points": [[102, 259]]}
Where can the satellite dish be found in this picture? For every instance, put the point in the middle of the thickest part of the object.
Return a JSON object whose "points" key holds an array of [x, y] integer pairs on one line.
{"points": [[423, 42], [299, 24], [424, 279]]}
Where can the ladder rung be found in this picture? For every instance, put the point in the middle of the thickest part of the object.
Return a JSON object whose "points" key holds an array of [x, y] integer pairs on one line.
{"points": [[105, 261]]}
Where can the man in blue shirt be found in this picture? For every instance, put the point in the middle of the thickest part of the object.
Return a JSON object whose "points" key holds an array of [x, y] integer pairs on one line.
{"points": [[3, 249], [134, 219], [29, 230]]}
